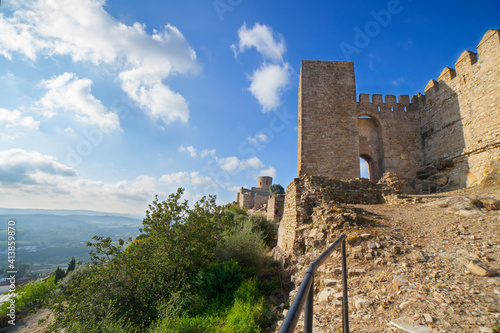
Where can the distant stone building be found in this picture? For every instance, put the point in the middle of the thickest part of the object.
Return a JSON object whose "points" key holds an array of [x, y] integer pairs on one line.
{"points": [[256, 197], [446, 139]]}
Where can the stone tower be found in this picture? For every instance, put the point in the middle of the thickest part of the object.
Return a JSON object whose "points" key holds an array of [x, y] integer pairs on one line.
{"points": [[328, 129], [265, 182]]}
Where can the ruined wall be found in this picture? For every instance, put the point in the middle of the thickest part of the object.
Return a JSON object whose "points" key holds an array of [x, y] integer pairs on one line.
{"points": [[328, 132], [245, 200], [460, 114], [310, 195], [260, 200], [275, 207]]}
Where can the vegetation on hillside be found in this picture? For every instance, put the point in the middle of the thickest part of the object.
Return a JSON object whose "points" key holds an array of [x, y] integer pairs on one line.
{"points": [[193, 269]]}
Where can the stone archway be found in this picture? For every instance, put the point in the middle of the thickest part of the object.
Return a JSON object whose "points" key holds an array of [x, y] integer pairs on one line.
{"points": [[370, 146]]}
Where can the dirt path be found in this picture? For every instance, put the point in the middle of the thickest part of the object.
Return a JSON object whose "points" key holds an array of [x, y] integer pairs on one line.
{"points": [[30, 324]]}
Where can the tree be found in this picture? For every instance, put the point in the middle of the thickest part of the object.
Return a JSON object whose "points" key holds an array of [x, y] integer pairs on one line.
{"points": [[59, 274], [276, 189], [71, 265], [178, 241]]}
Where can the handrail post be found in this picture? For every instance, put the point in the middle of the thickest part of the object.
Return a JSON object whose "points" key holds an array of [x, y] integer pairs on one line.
{"points": [[308, 309], [345, 303]]}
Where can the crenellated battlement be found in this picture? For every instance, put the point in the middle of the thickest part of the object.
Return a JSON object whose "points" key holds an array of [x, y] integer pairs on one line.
{"points": [[388, 104], [488, 49]]}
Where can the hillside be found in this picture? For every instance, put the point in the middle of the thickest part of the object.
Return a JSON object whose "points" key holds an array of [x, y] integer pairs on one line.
{"points": [[48, 238]]}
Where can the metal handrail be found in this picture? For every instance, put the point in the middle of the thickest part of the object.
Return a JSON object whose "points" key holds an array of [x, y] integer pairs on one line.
{"points": [[306, 289]]}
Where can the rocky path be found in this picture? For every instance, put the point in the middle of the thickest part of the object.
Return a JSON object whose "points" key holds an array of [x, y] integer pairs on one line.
{"points": [[416, 266]]}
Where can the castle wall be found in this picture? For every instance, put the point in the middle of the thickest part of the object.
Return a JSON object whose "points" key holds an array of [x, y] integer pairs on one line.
{"points": [[245, 200], [328, 132], [460, 114], [275, 207], [288, 224], [395, 127], [260, 200], [454, 128]]}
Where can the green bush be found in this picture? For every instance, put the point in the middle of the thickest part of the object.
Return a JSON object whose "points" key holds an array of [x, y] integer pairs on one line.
{"points": [[31, 296], [217, 284], [267, 228], [249, 291], [244, 317], [243, 244]]}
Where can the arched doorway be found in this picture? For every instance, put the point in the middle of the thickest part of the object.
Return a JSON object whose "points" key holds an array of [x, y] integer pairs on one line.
{"points": [[370, 146], [364, 167]]}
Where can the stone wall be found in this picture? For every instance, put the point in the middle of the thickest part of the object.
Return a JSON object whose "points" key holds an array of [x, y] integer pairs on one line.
{"points": [[310, 197], [460, 113], [328, 131], [397, 146], [452, 132], [275, 207]]}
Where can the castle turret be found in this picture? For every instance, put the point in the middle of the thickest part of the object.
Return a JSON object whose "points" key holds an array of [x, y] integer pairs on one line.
{"points": [[265, 182]]}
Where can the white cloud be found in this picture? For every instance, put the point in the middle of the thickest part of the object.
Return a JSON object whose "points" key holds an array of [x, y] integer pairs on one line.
{"points": [[268, 83], [84, 31], [186, 178], [261, 37], [194, 152], [234, 164], [18, 166], [207, 152], [190, 149], [14, 123], [269, 171], [259, 138], [68, 93]]}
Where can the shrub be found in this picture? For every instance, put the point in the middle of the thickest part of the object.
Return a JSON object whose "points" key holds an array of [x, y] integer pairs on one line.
{"points": [[267, 228], [217, 284], [243, 244], [249, 291], [31, 296], [244, 317]]}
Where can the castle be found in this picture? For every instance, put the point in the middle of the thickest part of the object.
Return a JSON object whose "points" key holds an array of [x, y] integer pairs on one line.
{"points": [[448, 138], [256, 196]]}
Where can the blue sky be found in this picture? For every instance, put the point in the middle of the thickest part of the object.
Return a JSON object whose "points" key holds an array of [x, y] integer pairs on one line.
{"points": [[104, 104]]}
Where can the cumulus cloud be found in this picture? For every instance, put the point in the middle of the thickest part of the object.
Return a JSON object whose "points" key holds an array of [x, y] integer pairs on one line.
{"points": [[84, 31], [234, 164], [261, 38], [18, 166], [270, 80], [190, 149], [269, 171], [68, 93], [207, 152], [194, 152], [186, 178], [268, 83], [258, 138], [14, 123]]}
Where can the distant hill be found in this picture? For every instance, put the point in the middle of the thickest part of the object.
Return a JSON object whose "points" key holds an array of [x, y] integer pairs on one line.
{"points": [[61, 212], [47, 238]]}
